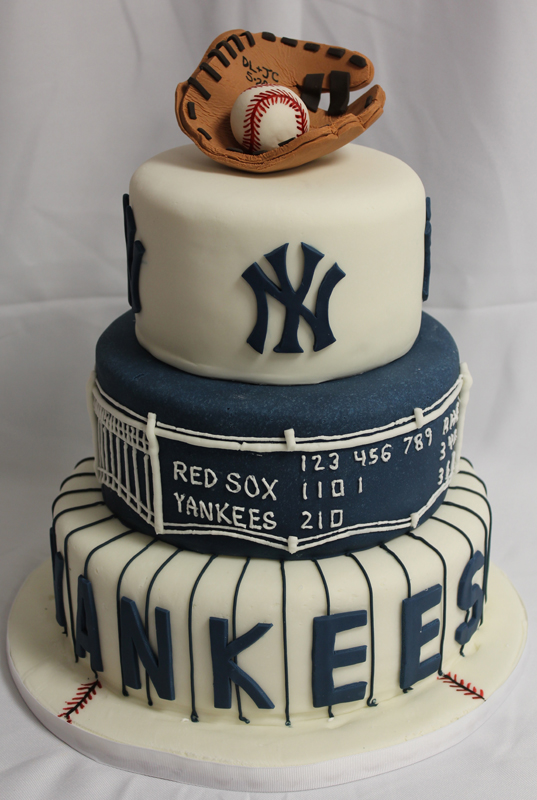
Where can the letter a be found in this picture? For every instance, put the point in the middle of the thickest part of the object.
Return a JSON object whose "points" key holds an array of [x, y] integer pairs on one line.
{"points": [[87, 628]]}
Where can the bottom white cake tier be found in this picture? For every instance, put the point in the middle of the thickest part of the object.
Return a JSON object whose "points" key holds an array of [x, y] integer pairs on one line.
{"points": [[253, 640], [260, 666], [128, 734]]}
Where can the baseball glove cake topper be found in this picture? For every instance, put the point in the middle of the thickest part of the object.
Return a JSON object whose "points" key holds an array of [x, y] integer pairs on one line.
{"points": [[239, 60]]}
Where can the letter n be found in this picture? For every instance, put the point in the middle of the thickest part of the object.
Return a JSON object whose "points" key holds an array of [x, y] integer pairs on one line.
{"points": [[415, 635], [326, 659], [225, 669], [135, 645], [87, 628]]}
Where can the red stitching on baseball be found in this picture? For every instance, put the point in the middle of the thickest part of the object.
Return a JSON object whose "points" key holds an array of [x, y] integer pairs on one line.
{"points": [[84, 693], [258, 106], [459, 686]]}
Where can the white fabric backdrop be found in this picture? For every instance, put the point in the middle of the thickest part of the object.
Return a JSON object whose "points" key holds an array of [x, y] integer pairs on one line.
{"points": [[87, 95]]}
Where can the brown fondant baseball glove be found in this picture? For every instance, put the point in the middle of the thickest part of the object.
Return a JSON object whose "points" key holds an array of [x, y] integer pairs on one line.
{"points": [[238, 60]]}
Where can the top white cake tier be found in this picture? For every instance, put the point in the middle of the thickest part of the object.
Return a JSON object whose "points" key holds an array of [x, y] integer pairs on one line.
{"points": [[203, 225]]}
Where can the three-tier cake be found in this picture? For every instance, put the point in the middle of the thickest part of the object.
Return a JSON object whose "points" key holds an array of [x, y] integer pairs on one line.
{"points": [[277, 560]]}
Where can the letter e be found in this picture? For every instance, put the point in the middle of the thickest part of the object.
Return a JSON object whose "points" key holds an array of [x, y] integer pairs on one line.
{"points": [[326, 659], [415, 635]]}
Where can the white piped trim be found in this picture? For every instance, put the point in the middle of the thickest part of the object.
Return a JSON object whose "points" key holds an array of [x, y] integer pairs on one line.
{"points": [[418, 416], [464, 396], [290, 438], [292, 544], [90, 385], [155, 468], [279, 443]]}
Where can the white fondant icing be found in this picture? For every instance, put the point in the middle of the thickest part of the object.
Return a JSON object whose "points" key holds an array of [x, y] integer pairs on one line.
{"points": [[202, 226]]}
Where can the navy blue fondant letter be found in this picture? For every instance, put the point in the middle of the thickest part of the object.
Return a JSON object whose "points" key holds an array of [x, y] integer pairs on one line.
{"points": [[415, 635], [225, 669], [58, 589], [427, 260], [135, 252], [57, 574], [326, 659], [135, 645], [87, 628], [293, 300], [470, 596]]}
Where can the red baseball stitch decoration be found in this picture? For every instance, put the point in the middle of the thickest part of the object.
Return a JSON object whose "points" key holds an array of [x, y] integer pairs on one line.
{"points": [[460, 686], [85, 692], [259, 105]]}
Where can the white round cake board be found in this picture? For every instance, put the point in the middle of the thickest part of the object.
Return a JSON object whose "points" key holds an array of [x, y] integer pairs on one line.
{"points": [[127, 734]]}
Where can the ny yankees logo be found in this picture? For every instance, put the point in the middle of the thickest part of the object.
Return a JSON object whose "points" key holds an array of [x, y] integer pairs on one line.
{"points": [[293, 300]]}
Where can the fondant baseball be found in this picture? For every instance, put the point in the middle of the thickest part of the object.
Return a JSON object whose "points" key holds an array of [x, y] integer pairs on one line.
{"points": [[263, 117]]}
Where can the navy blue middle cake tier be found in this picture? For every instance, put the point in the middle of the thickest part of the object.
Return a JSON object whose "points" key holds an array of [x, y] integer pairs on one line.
{"points": [[295, 472]]}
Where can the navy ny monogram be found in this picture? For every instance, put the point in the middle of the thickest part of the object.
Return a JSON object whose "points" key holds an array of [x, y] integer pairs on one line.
{"points": [[293, 300]]}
